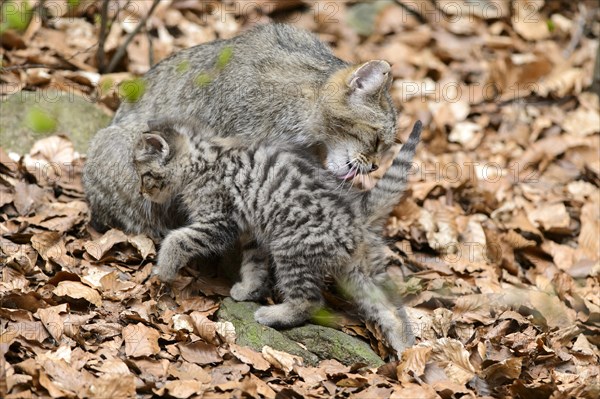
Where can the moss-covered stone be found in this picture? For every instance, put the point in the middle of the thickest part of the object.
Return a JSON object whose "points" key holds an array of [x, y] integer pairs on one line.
{"points": [[328, 343], [321, 342], [76, 117], [255, 335]]}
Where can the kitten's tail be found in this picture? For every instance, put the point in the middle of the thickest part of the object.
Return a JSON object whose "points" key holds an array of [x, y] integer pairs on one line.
{"points": [[375, 304], [378, 202]]}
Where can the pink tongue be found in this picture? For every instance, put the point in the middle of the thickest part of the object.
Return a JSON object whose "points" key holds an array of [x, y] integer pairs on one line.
{"points": [[348, 175]]}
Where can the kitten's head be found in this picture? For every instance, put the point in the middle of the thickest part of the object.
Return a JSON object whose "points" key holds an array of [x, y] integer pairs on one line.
{"points": [[157, 158], [359, 118]]}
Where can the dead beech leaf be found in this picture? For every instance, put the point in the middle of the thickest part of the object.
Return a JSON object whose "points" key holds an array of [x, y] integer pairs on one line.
{"points": [[551, 217], [52, 320], [200, 353], [53, 149], [204, 327], [52, 388], [189, 371], [527, 21], [28, 197], [113, 386], [413, 361], [452, 357], [98, 248], [140, 340], [143, 244], [505, 370], [281, 360], [582, 122], [76, 290], [51, 247], [183, 322], [185, 388], [250, 357], [226, 331], [60, 216], [553, 311]]}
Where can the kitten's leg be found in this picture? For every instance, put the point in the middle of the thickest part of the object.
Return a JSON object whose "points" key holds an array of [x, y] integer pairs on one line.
{"points": [[254, 272], [299, 280], [202, 238]]}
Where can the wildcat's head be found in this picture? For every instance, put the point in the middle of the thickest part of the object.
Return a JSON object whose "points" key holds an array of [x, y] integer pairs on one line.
{"points": [[157, 159], [359, 118]]}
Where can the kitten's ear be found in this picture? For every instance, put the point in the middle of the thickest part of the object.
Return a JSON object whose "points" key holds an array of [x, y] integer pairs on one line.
{"points": [[155, 145], [370, 78]]}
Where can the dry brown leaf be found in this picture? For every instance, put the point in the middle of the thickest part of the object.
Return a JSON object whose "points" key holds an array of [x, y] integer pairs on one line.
{"points": [[113, 386], [51, 247], [452, 356], [554, 217], [281, 360], [76, 290], [200, 353], [250, 357], [204, 328], [28, 197], [98, 248], [527, 22], [55, 149], [185, 388], [183, 322], [189, 371], [503, 371], [413, 363], [52, 321], [144, 245], [226, 331], [140, 340]]}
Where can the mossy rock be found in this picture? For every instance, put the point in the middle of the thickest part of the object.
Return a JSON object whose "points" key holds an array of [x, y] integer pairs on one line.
{"points": [[321, 342], [76, 117], [328, 343]]}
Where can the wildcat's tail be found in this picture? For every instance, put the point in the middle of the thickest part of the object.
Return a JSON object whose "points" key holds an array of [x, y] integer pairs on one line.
{"points": [[378, 202], [374, 303]]}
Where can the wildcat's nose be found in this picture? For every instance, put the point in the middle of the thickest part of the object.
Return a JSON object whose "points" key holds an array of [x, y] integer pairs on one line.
{"points": [[374, 167]]}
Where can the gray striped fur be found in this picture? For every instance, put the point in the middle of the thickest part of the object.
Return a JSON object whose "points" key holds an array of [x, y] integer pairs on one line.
{"points": [[306, 224], [275, 83]]}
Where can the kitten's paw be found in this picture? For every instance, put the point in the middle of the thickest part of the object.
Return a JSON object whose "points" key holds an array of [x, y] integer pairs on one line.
{"points": [[242, 291], [164, 274], [284, 315]]}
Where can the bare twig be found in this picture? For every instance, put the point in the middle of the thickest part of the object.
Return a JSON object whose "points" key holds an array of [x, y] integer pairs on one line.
{"points": [[102, 38], [412, 11], [150, 49], [121, 50], [24, 66], [577, 32]]}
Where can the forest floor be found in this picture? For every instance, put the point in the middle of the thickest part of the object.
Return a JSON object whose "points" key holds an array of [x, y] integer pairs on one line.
{"points": [[496, 244]]}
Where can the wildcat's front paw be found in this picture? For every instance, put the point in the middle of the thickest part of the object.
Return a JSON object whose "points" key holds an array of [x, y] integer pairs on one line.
{"points": [[284, 315], [243, 291], [164, 274]]}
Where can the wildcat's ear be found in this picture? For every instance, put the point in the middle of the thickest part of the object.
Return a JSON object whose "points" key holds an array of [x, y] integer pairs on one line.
{"points": [[154, 145], [370, 78]]}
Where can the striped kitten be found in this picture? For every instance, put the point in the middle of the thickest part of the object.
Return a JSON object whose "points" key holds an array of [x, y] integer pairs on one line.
{"points": [[296, 212]]}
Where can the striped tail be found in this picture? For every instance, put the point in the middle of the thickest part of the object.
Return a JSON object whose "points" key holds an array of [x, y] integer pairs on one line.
{"points": [[379, 201], [376, 305]]}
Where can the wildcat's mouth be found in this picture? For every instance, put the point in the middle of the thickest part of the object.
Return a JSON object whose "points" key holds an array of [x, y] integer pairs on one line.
{"points": [[350, 175], [347, 172]]}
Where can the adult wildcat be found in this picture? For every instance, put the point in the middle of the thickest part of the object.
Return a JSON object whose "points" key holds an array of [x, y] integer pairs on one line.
{"points": [[275, 83]]}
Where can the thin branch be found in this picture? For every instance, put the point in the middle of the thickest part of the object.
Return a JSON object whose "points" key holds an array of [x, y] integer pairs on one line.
{"points": [[25, 66], [121, 50], [412, 11], [577, 32], [102, 39]]}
